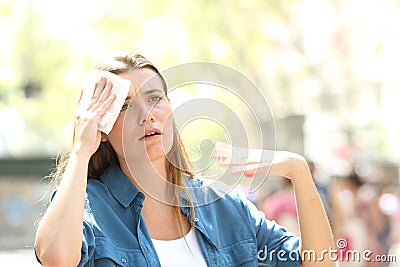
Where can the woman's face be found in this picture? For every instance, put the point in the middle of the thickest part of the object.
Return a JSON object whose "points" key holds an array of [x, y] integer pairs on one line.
{"points": [[144, 128]]}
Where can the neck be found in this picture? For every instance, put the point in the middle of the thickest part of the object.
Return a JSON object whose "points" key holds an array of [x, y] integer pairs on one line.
{"points": [[150, 178]]}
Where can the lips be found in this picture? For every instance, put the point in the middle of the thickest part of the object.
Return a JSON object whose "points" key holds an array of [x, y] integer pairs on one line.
{"points": [[149, 133]]}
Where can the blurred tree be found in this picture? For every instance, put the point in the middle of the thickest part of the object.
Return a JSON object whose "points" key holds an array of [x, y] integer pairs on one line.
{"points": [[308, 56]]}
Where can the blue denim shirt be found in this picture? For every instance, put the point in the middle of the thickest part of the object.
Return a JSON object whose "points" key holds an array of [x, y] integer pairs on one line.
{"points": [[230, 231]]}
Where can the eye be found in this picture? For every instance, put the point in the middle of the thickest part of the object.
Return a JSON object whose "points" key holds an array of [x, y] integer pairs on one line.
{"points": [[155, 98], [125, 107]]}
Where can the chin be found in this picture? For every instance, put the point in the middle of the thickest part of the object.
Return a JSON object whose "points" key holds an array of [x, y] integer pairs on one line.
{"points": [[157, 150], [155, 153]]}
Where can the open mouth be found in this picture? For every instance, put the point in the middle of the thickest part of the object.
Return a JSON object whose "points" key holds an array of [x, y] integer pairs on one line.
{"points": [[150, 134]]}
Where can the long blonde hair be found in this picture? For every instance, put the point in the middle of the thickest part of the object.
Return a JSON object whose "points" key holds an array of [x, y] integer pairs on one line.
{"points": [[177, 164]]}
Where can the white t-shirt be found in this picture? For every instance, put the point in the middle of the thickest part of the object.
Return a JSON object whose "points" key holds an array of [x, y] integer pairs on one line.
{"points": [[176, 253]]}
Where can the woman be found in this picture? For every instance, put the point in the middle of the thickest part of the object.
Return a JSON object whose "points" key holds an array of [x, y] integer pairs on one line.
{"points": [[125, 225]]}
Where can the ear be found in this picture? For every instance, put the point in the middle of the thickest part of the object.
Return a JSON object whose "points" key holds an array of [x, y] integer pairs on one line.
{"points": [[103, 137]]}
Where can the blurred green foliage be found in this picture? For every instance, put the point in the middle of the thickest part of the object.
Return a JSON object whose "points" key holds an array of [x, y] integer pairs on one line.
{"points": [[309, 57]]}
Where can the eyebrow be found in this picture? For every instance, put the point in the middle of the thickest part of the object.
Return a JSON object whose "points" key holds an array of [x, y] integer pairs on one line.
{"points": [[153, 90], [147, 92]]}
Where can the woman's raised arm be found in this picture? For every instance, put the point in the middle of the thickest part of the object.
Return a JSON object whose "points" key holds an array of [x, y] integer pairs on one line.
{"points": [[59, 235], [315, 230]]}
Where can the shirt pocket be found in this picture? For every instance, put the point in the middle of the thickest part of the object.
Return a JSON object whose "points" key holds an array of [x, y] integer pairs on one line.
{"points": [[242, 253], [108, 255]]}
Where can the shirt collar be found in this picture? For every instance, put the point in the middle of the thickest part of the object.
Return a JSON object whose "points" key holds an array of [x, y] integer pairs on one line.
{"points": [[122, 189]]}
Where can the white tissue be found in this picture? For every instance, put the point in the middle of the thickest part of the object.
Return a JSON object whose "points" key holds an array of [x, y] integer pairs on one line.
{"points": [[120, 89]]}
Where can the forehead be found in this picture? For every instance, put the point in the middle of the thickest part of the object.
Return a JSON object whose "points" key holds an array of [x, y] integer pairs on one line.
{"points": [[142, 79]]}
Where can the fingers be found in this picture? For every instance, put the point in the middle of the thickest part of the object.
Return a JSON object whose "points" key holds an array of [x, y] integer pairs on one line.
{"points": [[105, 93], [107, 103], [252, 162], [222, 149], [229, 155], [247, 161], [251, 170], [102, 99], [99, 88], [222, 152]]}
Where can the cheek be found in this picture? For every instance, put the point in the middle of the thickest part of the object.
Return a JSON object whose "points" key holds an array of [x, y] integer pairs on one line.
{"points": [[163, 112], [115, 135], [164, 116]]}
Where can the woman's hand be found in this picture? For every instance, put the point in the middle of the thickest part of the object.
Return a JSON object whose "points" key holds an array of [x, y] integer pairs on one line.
{"points": [[253, 162], [87, 136], [315, 231]]}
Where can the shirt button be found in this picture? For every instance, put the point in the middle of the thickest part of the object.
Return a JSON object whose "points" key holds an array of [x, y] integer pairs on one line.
{"points": [[196, 219], [123, 260]]}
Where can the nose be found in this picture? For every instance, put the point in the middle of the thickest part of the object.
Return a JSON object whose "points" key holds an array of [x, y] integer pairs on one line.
{"points": [[145, 113]]}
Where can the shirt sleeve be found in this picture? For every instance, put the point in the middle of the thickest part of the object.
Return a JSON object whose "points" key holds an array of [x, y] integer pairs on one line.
{"points": [[88, 240], [87, 250], [276, 246]]}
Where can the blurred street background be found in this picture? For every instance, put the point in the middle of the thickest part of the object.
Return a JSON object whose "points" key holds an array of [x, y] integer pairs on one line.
{"points": [[328, 68]]}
